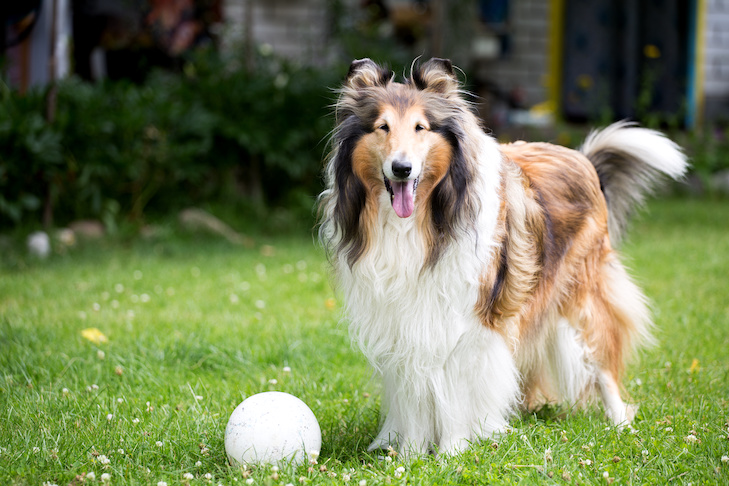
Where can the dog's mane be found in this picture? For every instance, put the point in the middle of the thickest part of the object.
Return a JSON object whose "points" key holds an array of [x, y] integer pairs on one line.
{"points": [[366, 90]]}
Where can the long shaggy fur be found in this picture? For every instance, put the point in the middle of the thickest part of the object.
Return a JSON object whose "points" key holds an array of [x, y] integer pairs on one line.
{"points": [[479, 278]]}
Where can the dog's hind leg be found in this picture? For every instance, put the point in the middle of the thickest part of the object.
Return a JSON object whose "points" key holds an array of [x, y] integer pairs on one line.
{"points": [[621, 413]]}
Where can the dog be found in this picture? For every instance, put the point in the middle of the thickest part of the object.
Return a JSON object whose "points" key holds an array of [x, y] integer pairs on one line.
{"points": [[480, 279]]}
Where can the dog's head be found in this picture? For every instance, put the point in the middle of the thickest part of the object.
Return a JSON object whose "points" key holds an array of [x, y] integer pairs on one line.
{"points": [[402, 140]]}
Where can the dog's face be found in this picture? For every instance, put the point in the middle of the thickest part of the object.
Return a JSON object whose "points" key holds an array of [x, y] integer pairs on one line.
{"points": [[400, 145], [405, 150]]}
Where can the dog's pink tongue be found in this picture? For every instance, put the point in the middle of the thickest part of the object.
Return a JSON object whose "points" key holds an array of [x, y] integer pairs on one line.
{"points": [[402, 200]]}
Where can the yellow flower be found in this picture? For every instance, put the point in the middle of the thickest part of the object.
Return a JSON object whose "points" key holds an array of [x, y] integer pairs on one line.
{"points": [[94, 335]]}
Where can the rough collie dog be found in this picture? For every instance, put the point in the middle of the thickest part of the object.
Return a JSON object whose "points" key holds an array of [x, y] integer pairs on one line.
{"points": [[479, 278]]}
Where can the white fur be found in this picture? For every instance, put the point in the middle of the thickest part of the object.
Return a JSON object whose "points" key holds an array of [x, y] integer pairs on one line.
{"points": [[447, 379], [570, 364]]}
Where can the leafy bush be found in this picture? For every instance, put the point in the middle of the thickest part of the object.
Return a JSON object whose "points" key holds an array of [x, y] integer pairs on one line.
{"points": [[217, 130]]}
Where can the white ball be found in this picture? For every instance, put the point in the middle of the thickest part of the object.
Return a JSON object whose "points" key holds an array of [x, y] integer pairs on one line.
{"points": [[39, 244], [272, 427]]}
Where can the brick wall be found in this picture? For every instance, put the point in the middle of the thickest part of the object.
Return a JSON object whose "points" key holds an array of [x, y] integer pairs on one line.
{"points": [[296, 29], [526, 63], [716, 59]]}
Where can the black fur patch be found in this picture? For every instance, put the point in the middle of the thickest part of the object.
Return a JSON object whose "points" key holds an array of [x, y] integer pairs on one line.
{"points": [[351, 192], [448, 203], [501, 274]]}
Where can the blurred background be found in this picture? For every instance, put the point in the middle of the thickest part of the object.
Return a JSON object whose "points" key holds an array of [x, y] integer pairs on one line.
{"points": [[123, 111]]}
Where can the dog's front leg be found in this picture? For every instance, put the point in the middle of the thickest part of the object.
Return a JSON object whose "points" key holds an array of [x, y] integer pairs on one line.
{"points": [[478, 392], [407, 407]]}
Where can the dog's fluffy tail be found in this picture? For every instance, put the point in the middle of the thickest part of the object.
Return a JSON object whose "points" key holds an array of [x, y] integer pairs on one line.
{"points": [[630, 161]]}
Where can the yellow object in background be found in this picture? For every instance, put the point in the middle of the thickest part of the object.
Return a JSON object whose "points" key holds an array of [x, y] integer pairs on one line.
{"points": [[94, 335]]}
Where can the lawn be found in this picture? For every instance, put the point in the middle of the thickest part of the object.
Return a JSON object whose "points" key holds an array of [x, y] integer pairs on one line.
{"points": [[193, 325]]}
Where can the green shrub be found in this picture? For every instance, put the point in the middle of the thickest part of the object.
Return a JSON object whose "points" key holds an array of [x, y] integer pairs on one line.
{"points": [[217, 130]]}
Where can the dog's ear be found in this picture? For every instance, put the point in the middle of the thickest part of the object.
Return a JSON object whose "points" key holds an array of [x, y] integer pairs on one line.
{"points": [[436, 75], [364, 73]]}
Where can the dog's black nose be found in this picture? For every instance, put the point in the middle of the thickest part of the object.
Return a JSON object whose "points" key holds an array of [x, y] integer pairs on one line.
{"points": [[401, 169]]}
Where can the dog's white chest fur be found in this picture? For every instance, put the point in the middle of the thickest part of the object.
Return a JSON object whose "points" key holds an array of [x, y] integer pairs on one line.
{"points": [[418, 327]]}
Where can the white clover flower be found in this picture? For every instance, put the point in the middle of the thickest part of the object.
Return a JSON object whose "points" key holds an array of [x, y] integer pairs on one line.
{"points": [[198, 464], [208, 476], [106, 477], [65, 391], [724, 458], [109, 417], [399, 472], [249, 481], [273, 381], [363, 482], [159, 443], [644, 452], [120, 451], [188, 476], [287, 369], [161, 483], [691, 439], [104, 460], [101, 355], [606, 474], [135, 420], [198, 397], [669, 429], [119, 400], [346, 478], [36, 450], [94, 387], [91, 476]]}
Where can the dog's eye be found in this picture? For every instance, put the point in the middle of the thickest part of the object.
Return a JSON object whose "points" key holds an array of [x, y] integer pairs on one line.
{"points": [[384, 127], [419, 127]]}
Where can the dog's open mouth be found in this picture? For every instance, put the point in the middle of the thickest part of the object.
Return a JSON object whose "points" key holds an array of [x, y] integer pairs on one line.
{"points": [[402, 196]]}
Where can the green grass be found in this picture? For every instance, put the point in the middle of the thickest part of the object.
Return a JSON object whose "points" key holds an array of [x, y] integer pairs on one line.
{"points": [[195, 325]]}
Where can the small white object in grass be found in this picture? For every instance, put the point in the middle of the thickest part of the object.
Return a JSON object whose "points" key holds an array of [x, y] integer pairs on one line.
{"points": [[272, 427], [39, 244], [724, 458]]}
